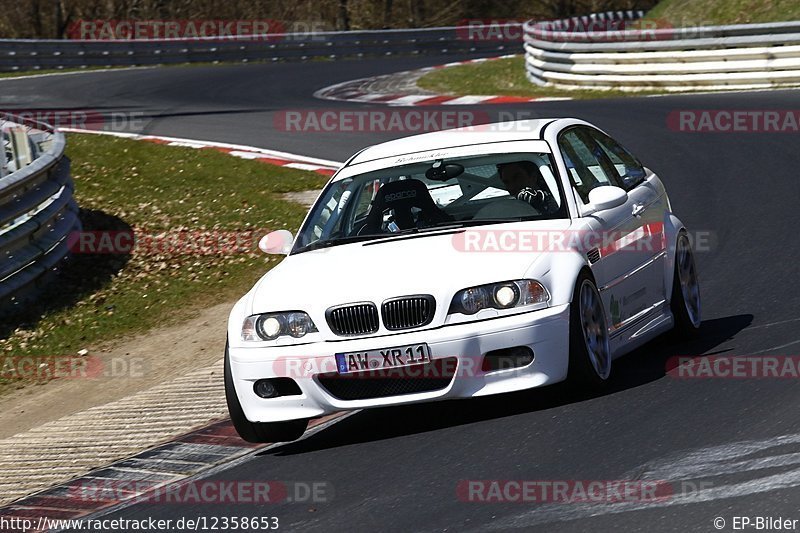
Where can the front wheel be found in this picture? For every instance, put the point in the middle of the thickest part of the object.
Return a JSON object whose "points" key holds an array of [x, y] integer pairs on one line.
{"points": [[589, 347], [257, 431], [685, 301]]}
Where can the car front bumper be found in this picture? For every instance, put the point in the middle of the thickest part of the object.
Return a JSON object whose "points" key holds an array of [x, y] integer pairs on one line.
{"points": [[545, 332]]}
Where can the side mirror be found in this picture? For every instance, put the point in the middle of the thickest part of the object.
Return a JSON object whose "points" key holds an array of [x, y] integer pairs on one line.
{"points": [[605, 197], [276, 242]]}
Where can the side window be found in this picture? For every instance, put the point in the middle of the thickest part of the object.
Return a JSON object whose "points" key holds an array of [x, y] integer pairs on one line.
{"points": [[353, 207], [327, 219], [586, 164], [629, 170], [365, 195]]}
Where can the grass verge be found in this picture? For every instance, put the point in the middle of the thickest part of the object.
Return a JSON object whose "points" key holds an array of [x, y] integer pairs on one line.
{"points": [[716, 12], [156, 190], [502, 77]]}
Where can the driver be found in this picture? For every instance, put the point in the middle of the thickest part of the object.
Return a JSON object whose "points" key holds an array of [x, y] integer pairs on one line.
{"points": [[524, 182]]}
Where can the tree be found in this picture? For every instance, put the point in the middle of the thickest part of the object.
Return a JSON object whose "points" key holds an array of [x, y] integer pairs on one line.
{"points": [[344, 17]]}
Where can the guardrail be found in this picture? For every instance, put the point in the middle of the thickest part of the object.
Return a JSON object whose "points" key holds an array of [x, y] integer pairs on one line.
{"points": [[18, 55], [601, 51], [37, 210]]}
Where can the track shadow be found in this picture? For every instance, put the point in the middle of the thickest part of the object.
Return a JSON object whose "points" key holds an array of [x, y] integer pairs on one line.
{"points": [[647, 364], [78, 275]]}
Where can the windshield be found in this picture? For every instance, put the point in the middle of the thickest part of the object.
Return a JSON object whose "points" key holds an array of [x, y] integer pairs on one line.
{"points": [[434, 194]]}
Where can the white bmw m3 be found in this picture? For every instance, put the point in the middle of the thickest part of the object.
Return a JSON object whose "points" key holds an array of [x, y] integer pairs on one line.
{"points": [[457, 264]]}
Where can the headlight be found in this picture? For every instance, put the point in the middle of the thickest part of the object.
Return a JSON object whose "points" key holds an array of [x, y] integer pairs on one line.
{"points": [[503, 295], [270, 326], [470, 301]]}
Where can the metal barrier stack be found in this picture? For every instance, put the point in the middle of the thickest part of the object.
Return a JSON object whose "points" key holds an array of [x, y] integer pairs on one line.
{"points": [[607, 51], [37, 210]]}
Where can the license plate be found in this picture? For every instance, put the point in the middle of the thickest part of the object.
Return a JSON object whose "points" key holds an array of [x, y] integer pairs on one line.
{"points": [[413, 354]]}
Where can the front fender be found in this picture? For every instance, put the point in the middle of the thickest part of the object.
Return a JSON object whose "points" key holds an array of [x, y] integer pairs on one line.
{"points": [[558, 272], [236, 318]]}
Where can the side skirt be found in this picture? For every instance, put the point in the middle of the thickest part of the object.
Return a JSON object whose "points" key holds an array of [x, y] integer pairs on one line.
{"points": [[654, 322]]}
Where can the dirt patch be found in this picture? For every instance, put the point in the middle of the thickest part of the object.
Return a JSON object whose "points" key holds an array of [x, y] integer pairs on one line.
{"points": [[129, 366]]}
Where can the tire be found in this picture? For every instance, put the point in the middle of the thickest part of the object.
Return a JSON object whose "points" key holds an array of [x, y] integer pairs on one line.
{"points": [[589, 345], [685, 300], [257, 431]]}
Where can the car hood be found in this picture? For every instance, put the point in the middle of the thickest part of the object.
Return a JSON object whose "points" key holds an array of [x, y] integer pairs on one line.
{"points": [[373, 271]]}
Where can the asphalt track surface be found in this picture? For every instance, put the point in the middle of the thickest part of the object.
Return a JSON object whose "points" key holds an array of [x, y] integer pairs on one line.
{"points": [[397, 469]]}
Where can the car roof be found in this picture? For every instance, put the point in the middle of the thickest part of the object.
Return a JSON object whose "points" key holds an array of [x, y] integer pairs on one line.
{"points": [[519, 130]]}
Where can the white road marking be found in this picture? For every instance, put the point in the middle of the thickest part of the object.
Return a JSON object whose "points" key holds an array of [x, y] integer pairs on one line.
{"points": [[245, 155], [410, 99], [467, 100], [369, 97], [71, 73], [702, 464], [779, 322], [552, 98], [302, 166], [777, 347]]}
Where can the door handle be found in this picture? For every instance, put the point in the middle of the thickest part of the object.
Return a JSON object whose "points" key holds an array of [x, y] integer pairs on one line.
{"points": [[638, 209]]}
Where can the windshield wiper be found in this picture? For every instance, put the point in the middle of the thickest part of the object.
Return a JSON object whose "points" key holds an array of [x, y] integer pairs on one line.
{"points": [[461, 224], [479, 222], [454, 224], [444, 227], [335, 242]]}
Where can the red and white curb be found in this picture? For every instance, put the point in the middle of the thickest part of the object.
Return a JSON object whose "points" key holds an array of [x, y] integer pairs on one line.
{"points": [[353, 90], [271, 157]]}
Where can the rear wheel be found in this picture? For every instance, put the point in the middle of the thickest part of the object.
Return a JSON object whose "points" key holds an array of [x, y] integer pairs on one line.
{"points": [[589, 347], [257, 431], [685, 302]]}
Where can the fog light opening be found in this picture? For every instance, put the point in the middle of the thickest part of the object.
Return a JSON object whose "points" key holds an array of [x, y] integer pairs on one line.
{"points": [[265, 389], [507, 358], [276, 387]]}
